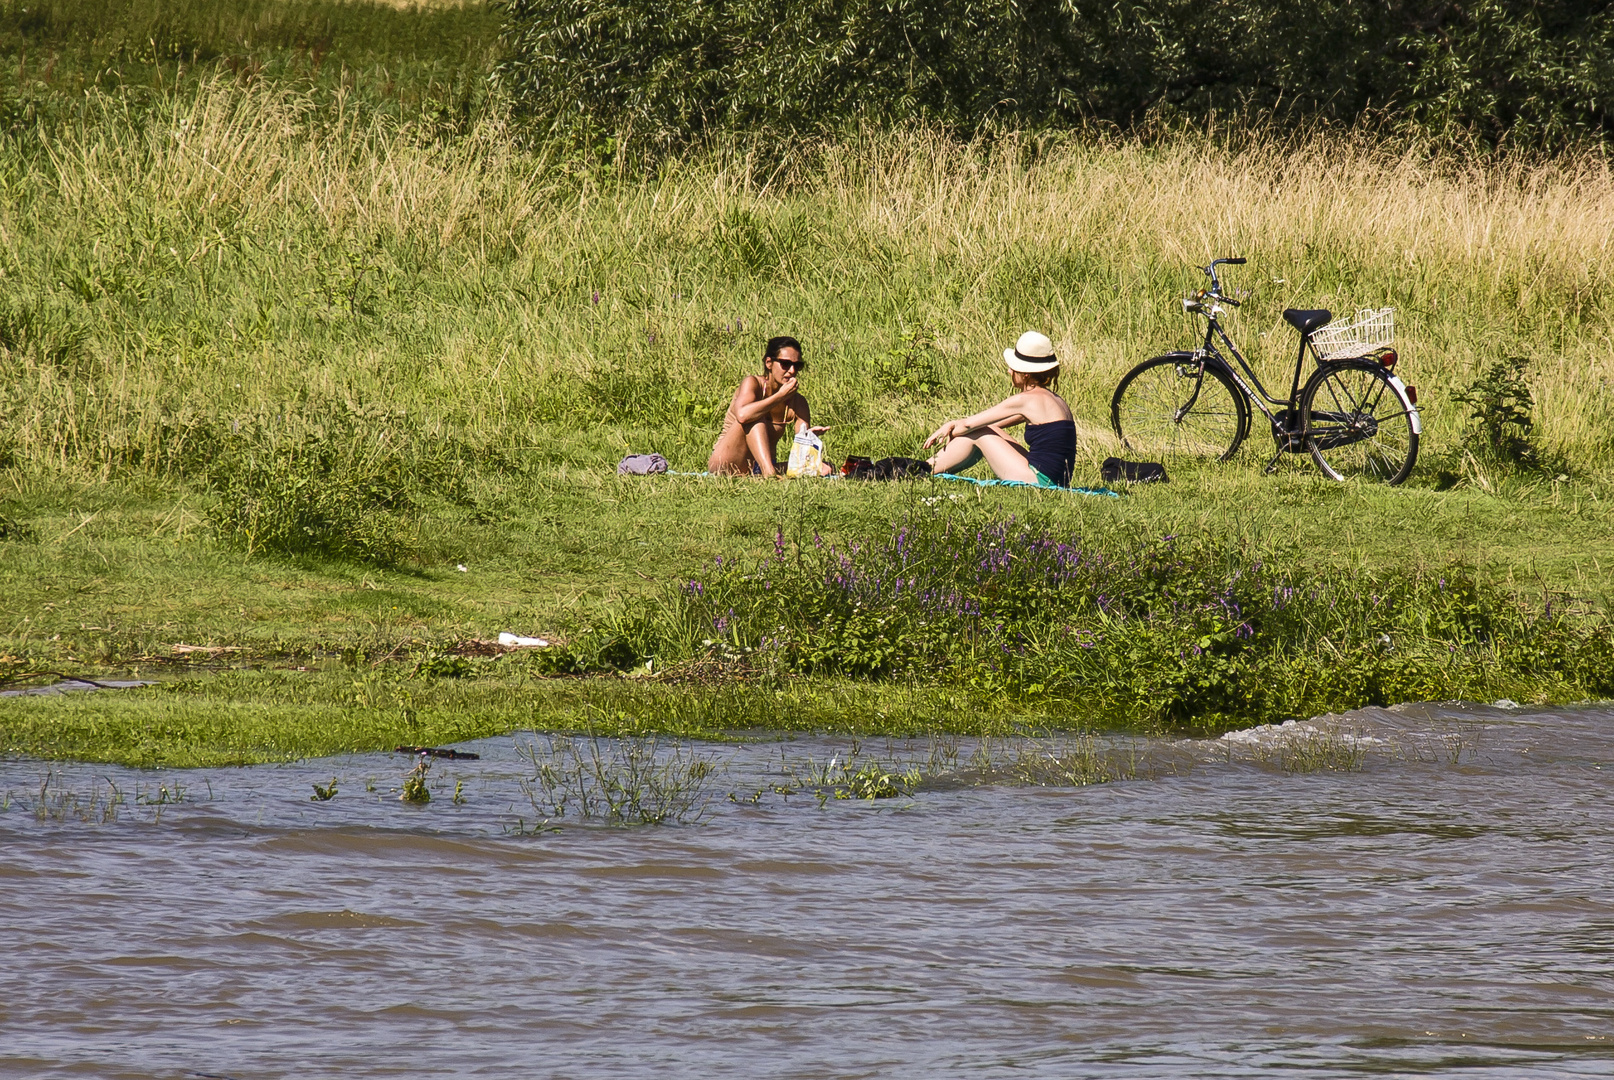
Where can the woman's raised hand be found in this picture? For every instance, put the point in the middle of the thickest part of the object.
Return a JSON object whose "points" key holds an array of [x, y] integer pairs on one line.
{"points": [[941, 434]]}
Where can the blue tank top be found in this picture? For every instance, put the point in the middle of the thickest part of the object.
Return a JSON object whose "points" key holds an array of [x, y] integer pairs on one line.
{"points": [[1052, 449]]}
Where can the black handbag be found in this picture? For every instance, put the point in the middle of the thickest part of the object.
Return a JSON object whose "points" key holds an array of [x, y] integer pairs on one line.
{"points": [[891, 468], [1133, 472]]}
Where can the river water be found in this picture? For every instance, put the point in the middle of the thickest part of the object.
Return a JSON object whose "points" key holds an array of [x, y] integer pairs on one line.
{"points": [[1427, 890]]}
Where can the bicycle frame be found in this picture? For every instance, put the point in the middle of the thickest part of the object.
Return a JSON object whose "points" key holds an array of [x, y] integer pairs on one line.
{"points": [[1249, 383], [1253, 388]]}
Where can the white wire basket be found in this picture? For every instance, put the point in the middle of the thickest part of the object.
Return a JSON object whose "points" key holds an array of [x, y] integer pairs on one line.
{"points": [[1370, 329]]}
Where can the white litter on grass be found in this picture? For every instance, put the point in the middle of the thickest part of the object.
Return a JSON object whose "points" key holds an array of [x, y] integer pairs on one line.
{"points": [[516, 641], [461, 568]]}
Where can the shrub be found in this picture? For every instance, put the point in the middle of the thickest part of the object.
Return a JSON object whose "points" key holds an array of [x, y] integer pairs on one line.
{"points": [[1501, 428], [1501, 403], [308, 498], [909, 369], [1174, 632], [670, 71], [12, 529], [633, 397]]}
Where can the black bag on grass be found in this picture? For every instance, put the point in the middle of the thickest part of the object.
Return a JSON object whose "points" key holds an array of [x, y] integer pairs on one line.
{"points": [[891, 468], [900, 468], [1133, 472]]}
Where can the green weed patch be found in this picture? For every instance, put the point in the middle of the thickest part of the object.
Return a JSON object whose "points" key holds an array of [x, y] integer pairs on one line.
{"points": [[1180, 633], [340, 482]]}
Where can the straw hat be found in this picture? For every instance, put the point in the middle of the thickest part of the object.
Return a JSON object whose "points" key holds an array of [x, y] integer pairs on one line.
{"points": [[1033, 354]]}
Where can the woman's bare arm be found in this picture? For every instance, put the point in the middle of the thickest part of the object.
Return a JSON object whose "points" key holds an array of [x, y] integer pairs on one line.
{"points": [[804, 416], [751, 405], [1006, 413]]}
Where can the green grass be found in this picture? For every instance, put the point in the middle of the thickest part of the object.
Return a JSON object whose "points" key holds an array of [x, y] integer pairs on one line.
{"points": [[307, 225], [118, 592], [251, 717], [143, 564]]}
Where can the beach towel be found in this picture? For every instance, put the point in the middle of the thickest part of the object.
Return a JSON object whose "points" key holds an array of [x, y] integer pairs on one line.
{"points": [[1025, 484]]}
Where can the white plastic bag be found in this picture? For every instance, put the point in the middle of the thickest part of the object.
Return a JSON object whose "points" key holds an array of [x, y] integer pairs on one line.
{"points": [[806, 455], [516, 641]]}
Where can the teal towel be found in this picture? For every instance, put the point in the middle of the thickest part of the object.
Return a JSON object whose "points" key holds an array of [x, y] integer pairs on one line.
{"points": [[1022, 483]]}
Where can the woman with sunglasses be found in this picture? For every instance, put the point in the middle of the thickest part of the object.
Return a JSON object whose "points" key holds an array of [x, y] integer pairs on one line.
{"points": [[762, 410]]}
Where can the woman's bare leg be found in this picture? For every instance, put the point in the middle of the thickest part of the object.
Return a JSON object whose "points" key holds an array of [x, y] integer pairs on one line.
{"points": [[958, 455], [730, 457], [761, 447], [741, 448], [1005, 456]]}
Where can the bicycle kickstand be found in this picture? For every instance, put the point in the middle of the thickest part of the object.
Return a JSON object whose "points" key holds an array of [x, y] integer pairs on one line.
{"points": [[1272, 466]]}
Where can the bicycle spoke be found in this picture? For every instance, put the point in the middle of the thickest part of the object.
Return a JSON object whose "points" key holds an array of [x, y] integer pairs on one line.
{"points": [[1358, 425], [1165, 408]]}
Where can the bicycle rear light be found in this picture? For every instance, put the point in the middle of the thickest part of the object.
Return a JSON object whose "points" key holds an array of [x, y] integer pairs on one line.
{"points": [[1388, 358], [1412, 394]]}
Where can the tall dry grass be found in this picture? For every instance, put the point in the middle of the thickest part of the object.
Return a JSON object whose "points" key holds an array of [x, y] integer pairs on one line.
{"points": [[258, 251]]}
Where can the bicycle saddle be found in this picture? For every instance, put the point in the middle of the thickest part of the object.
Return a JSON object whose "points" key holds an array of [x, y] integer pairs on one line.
{"points": [[1307, 321]]}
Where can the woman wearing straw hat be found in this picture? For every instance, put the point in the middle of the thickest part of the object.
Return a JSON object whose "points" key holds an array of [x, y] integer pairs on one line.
{"points": [[1050, 451]]}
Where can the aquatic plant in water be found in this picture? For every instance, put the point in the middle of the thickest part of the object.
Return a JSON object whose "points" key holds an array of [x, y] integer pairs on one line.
{"points": [[414, 785], [621, 781]]}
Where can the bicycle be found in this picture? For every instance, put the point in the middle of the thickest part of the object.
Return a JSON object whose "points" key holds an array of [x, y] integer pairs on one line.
{"points": [[1354, 415]]}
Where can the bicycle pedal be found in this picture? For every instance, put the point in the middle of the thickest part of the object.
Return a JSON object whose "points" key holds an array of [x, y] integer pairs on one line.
{"points": [[1288, 442]]}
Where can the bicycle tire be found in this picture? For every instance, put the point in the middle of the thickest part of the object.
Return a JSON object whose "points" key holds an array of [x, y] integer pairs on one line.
{"points": [[1146, 406], [1359, 421]]}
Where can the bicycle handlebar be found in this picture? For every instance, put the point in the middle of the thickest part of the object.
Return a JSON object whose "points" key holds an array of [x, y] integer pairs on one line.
{"points": [[1216, 286]]}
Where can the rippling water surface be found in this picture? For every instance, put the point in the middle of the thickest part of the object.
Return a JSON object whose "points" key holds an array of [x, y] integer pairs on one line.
{"points": [[1439, 901]]}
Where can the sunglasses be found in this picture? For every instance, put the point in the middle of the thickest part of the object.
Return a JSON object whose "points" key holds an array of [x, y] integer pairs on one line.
{"points": [[793, 365]]}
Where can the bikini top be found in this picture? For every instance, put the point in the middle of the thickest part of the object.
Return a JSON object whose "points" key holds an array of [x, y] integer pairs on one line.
{"points": [[779, 427]]}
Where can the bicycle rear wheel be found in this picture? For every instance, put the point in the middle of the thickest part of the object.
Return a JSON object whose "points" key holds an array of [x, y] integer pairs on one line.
{"points": [[1360, 422], [1166, 407]]}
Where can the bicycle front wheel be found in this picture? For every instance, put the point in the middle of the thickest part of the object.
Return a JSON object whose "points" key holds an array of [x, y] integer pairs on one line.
{"points": [[1360, 422], [1170, 406]]}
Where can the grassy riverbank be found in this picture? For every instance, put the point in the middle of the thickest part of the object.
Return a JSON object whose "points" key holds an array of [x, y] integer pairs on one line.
{"points": [[320, 656], [293, 323]]}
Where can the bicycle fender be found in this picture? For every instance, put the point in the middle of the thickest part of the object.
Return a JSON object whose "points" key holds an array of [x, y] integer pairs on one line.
{"points": [[1412, 410]]}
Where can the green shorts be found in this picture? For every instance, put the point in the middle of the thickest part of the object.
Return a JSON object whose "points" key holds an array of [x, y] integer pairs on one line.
{"points": [[1042, 480]]}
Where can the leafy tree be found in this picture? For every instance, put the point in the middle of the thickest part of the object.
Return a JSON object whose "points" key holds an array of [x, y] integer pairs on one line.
{"points": [[1534, 72]]}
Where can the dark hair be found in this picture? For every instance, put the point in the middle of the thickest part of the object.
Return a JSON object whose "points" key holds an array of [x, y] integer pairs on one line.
{"points": [[1048, 380], [777, 345]]}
